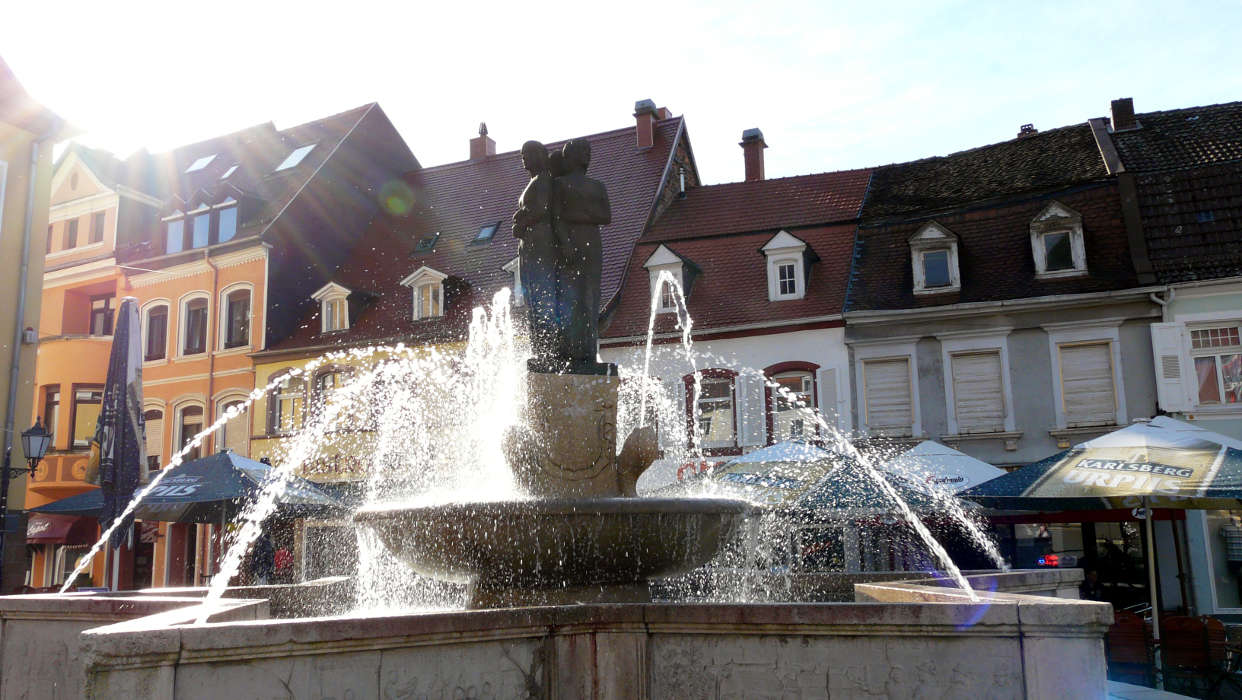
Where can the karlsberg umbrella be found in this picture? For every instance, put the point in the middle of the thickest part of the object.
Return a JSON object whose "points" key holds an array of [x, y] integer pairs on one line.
{"points": [[207, 490], [1161, 463]]}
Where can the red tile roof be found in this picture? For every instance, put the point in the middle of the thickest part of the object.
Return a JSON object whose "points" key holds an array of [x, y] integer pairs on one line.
{"points": [[456, 200], [764, 205]]}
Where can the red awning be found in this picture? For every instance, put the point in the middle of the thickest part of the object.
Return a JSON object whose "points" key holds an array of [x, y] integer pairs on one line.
{"points": [[45, 528]]}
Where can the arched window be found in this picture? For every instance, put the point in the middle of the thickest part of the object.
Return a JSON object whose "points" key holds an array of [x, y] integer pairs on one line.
{"points": [[716, 413], [194, 325], [155, 332], [154, 419], [285, 408], [791, 403], [235, 433], [235, 321], [328, 382], [189, 424]]}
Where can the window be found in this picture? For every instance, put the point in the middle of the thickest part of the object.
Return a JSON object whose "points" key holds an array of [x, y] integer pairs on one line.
{"points": [[228, 173], [486, 233], [790, 419], [97, 227], [514, 267], [156, 333], [174, 236], [101, 315], [237, 319], [887, 396], [661, 261], [717, 424], [1217, 354], [285, 407], [200, 163], [978, 391], [787, 281], [154, 419], [1087, 393], [935, 268], [191, 424], [933, 254], [194, 326], [787, 257], [333, 307], [427, 243], [87, 402], [235, 433], [71, 234], [228, 223], [326, 384], [294, 158], [201, 233], [1057, 242], [51, 411], [428, 287]]}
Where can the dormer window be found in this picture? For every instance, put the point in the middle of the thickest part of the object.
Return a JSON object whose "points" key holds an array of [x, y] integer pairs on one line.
{"points": [[1057, 243], [228, 219], [200, 163], [933, 256], [333, 307], [229, 173], [514, 267], [174, 232], [665, 260], [428, 287], [294, 158], [787, 266]]}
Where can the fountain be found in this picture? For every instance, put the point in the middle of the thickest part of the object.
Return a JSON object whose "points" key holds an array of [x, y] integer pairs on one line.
{"points": [[583, 536]]}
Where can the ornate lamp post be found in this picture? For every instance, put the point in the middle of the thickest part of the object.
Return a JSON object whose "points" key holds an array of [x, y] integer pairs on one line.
{"points": [[35, 442]]}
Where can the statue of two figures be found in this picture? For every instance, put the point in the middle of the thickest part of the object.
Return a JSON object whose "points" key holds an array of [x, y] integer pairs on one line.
{"points": [[567, 447]]}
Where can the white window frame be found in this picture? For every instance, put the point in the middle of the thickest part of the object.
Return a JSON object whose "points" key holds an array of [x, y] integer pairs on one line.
{"points": [[784, 248], [221, 436], [176, 216], [1058, 218], [889, 349], [514, 267], [156, 405], [327, 295], [929, 238], [419, 278], [223, 320], [1189, 381], [145, 320], [178, 412], [665, 260], [182, 318], [1085, 332], [976, 342]]}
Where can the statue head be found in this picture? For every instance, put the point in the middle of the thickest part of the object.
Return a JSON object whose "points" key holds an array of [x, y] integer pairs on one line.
{"points": [[534, 157], [577, 154], [556, 164]]}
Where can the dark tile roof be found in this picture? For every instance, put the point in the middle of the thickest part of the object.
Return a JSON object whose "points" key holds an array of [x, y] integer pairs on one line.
{"points": [[995, 255], [730, 287], [137, 172], [1192, 221], [456, 200], [1182, 138], [257, 151], [764, 205], [1043, 162]]}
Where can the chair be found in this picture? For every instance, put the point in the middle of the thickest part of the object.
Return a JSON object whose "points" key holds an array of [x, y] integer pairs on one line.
{"points": [[1190, 659], [1129, 650]]}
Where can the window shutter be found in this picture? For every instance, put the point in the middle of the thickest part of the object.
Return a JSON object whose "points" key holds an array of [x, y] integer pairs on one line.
{"points": [[887, 387], [237, 433], [155, 437], [978, 392], [826, 383], [1166, 347], [1087, 385], [751, 413]]}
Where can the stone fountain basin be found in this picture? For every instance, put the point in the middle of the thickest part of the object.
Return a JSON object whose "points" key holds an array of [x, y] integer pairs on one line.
{"points": [[512, 546]]}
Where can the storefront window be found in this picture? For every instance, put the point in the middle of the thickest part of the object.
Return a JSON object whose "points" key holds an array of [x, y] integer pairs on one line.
{"points": [[1225, 566]]}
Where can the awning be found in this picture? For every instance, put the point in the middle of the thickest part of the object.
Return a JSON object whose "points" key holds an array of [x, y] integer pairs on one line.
{"points": [[45, 528]]}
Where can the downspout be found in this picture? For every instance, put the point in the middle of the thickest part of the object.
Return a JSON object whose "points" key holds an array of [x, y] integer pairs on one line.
{"points": [[210, 412], [1164, 303], [18, 325]]}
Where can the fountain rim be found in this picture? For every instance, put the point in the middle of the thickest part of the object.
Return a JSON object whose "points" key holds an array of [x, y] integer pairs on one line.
{"points": [[561, 506]]}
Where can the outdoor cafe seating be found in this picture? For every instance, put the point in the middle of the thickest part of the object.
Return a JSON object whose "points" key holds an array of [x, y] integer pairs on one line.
{"points": [[1196, 657]]}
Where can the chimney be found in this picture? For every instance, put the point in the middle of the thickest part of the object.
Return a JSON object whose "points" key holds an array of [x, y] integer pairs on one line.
{"points": [[482, 146], [1123, 114], [646, 114], [1027, 130], [752, 148]]}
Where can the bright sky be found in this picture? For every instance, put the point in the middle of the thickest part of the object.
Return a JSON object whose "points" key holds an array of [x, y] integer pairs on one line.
{"points": [[833, 85]]}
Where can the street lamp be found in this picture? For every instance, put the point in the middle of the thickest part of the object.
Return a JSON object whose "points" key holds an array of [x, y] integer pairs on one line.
{"points": [[35, 442]]}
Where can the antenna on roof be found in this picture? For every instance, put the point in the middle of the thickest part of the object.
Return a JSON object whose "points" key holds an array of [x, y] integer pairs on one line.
{"points": [[482, 128]]}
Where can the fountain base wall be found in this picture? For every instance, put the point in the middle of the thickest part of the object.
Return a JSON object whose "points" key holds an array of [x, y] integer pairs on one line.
{"points": [[924, 642]]}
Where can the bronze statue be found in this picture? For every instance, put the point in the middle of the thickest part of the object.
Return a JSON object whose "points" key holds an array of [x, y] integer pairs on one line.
{"points": [[561, 256], [539, 254]]}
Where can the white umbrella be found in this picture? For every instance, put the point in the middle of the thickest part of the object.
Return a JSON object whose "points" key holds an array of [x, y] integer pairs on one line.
{"points": [[941, 467]]}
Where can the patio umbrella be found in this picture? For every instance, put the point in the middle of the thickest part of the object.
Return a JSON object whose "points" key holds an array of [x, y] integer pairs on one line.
{"points": [[118, 449], [207, 490], [771, 475], [1161, 463], [941, 467]]}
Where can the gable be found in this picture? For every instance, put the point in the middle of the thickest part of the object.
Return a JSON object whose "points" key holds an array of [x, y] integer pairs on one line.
{"points": [[73, 181], [661, 257]]}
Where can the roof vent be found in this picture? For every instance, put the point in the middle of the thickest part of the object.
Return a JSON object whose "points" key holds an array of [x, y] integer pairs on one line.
{"points": [[752, 149], [1027, 130]]}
